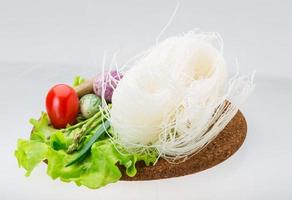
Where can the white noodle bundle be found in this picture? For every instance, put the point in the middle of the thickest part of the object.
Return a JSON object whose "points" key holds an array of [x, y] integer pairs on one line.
{"points": [[173, 98]]}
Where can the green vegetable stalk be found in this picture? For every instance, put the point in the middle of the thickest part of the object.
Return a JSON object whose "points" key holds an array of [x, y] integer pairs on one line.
{"points": [[80, 133], [82, 153]]}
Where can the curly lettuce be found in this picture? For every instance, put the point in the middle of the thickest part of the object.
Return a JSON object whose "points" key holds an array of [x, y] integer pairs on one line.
{"points": [[97, 169], [30, 153]]}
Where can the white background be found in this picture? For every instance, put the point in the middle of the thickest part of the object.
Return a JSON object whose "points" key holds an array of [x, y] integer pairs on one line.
{"points": [[46, 42]]}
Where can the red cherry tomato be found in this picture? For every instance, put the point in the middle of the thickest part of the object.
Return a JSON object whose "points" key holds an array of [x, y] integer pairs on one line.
{"points": [[62, 104]]}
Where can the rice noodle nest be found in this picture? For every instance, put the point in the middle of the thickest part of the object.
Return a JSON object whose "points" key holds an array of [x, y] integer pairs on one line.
{"points": [[176, 97]]}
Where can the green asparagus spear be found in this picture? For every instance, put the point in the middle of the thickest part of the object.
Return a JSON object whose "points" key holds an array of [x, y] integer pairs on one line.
{"points": [[85, 149], [80, 133]]}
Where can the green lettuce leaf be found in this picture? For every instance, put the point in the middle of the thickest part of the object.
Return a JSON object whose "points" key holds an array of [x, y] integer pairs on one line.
{"points": [[59, 141], [78, 80], [30, 153], [41, 128], [43, 132], [98, 169]]}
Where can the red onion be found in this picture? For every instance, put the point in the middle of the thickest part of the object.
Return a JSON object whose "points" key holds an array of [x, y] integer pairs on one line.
{"points": [[108, 82]]}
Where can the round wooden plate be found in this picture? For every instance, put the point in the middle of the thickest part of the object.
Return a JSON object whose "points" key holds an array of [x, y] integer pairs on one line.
{"points": [[220, 149]]}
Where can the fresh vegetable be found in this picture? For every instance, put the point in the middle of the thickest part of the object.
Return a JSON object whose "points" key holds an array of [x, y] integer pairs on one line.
{"points": [[82, 153], [89, 105], [97, 169], [30, 153], [78, 80], [104, 84], [41, 131], [62, 104], [82, 131]]}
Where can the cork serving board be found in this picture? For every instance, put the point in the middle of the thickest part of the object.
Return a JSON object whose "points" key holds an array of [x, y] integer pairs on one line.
{"points": [[220, 149]]}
